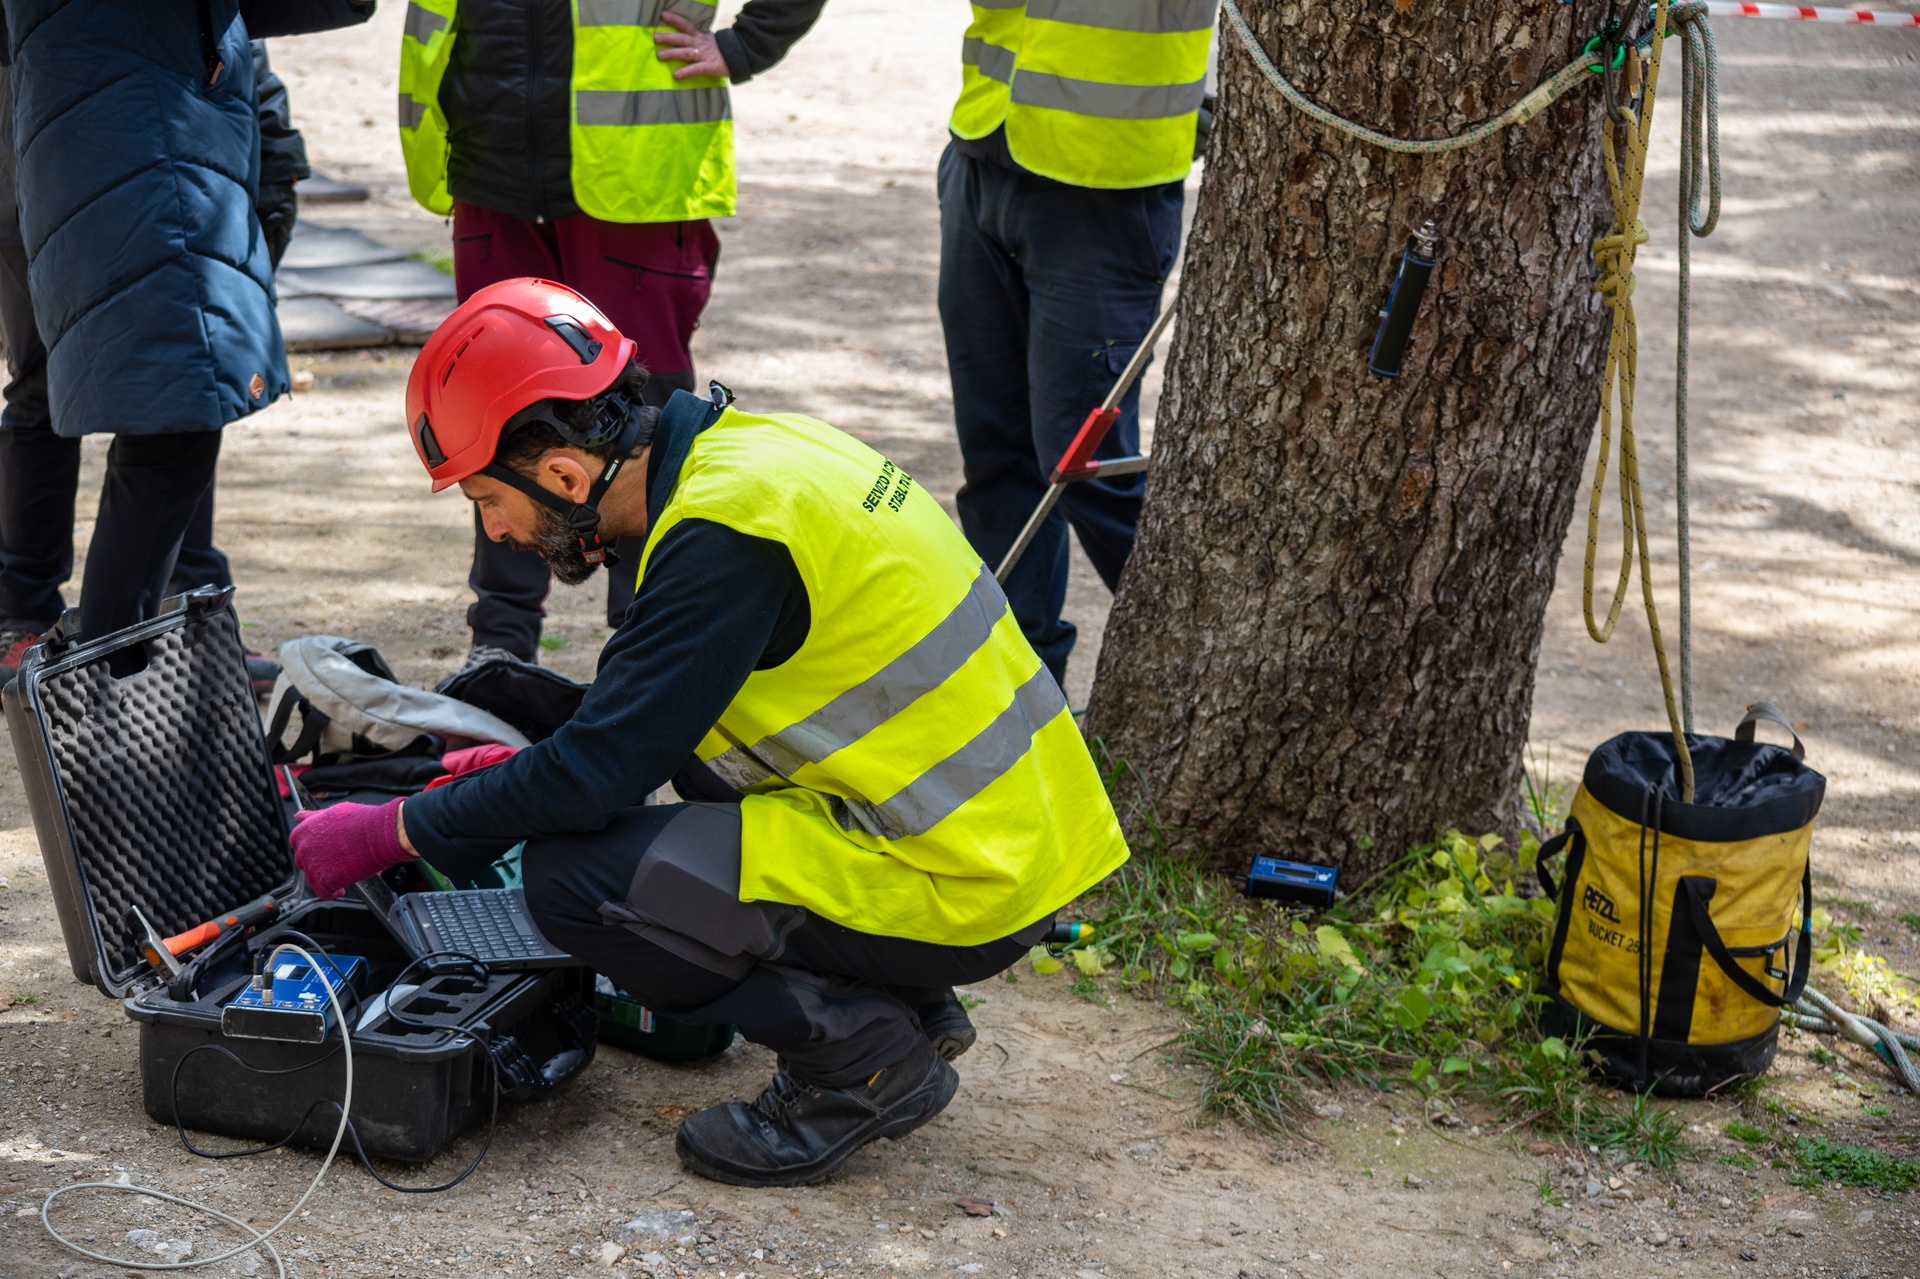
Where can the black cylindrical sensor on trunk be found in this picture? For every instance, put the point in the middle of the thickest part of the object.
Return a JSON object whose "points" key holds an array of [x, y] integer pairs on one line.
{"points": [[1403, 301]]}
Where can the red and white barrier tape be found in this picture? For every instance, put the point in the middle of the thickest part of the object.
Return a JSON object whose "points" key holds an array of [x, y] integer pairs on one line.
{"points": [[1805, 13]]}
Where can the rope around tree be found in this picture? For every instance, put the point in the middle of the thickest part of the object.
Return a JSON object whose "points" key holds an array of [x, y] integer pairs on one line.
{"points": [[1614, 255]]}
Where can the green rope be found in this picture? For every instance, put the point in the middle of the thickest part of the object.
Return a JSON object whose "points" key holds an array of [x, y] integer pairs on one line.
{"points": [[1543, 96], [1699, 159]]}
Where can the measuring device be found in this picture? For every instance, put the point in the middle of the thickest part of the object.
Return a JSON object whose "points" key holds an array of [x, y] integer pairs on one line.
{"points": [[291, 999], [1078, 462]]}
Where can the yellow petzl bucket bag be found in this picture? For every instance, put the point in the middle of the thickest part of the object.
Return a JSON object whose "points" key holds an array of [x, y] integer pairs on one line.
{"points": [[1671, 942]]}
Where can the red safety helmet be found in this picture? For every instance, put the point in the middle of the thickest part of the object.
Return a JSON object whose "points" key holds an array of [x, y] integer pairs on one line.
{"points": [[506, 348]]}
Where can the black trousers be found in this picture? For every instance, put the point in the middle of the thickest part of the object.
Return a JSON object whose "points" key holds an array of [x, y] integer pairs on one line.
{"points": [[154, 535], [154, 485], [510, 585], [1046, 289], [653, 902], [39, 471]]}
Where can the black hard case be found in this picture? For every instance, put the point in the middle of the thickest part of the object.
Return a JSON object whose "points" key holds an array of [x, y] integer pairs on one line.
{"points": [[150, 784]]}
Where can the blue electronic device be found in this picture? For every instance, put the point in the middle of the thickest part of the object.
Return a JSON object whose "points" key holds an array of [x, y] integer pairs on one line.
{"points": [[288, 999], [1302, 882]]}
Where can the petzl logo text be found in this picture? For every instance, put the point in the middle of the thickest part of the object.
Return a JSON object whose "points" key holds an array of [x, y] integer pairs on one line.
{"points": [[1600, 904]]}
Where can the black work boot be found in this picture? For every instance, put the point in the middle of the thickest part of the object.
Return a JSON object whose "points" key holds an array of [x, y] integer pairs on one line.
{"points": [[946, 1025], [798, 1133]]}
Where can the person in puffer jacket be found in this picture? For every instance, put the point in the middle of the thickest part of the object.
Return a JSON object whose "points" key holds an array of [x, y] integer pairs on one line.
{"points": [[137, 152]]}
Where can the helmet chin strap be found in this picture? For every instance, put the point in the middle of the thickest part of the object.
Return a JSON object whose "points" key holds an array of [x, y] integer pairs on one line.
{"points": [[582, 518]]}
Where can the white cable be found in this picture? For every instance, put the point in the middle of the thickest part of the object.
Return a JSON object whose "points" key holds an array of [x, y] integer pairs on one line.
{"points": [[259, 1239]]}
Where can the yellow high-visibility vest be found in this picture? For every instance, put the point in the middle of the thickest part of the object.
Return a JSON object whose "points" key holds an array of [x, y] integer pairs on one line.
{"points": [[913, 770], [646, 147], [1096, 93]]}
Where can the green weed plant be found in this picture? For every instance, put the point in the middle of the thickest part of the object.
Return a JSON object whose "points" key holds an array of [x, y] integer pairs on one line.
{"points": [[1426, 976], [1820, 1160]]}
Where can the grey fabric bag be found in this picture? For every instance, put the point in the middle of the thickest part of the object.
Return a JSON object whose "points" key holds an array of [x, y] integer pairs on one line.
{"points": [[351, 706]]}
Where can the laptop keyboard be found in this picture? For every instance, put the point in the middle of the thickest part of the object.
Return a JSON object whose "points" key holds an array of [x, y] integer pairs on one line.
{"points": [[482, 924]]}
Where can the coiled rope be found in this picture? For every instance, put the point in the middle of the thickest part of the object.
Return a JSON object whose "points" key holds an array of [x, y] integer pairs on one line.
{"points": [[1820, 1015], [1614, 254]]}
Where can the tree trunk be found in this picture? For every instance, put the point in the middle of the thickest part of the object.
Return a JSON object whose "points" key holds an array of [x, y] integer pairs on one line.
{"points": [[1323, 647]]}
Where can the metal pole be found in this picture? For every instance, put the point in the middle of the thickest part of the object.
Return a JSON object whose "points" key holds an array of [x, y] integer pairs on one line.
{"points": [[1021, 543], [1141, 354]]}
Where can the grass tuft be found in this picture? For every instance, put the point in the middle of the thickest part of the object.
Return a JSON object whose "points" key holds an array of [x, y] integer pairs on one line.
{"points": [[1820, 1160], [1425, 979]]}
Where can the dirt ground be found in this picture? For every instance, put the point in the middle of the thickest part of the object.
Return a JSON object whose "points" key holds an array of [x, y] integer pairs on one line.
{"points": [[1074, 1119]]}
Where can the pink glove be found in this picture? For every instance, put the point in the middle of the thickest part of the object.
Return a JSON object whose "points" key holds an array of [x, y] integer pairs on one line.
{"points": [[471, 760], [338, 846]]}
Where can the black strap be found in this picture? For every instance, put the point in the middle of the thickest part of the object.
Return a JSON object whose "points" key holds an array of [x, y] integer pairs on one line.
{"points": [[1551, 849], [1743, 731], [312, 724], [582, 518], [1695, 902]]}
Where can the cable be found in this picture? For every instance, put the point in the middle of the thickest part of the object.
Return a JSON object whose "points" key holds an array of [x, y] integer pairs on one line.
{"points": [[479, 970], [483, 973], [259, 1239]]}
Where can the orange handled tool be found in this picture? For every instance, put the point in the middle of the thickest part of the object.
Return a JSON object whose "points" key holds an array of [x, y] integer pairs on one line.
{"points": [[254, 912]]}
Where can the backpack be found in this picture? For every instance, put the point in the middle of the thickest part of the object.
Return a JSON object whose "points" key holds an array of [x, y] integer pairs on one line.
{"points": [[352, 708], [528, 696], [1671, 939]]}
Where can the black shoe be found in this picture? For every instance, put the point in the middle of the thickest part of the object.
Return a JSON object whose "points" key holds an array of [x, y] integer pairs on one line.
{"points": [[262, 672], [798, 1133], [947, 1026], [14, 643]]}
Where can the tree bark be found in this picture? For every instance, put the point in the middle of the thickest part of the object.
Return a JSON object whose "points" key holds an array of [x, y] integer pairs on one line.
{"points": [[1324, 645]]}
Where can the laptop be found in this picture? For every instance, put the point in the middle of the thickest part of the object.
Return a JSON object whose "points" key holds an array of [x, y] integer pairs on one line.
{"points": [[491, 925]]}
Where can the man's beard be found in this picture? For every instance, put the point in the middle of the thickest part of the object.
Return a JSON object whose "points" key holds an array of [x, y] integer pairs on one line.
{"points": [[559, 546]]}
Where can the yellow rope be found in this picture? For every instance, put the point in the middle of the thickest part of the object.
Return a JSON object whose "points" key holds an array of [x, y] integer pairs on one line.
{"points": [[1614, 253]]}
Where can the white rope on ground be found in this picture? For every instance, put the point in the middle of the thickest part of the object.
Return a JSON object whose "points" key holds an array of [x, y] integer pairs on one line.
{"points": [[1890, 1045], [259, 1239]]}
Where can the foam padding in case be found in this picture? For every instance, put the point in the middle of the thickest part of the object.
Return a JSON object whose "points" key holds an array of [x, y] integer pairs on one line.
{"points": [[159, 758]]}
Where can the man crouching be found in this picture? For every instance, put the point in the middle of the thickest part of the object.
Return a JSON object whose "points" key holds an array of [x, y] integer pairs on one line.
{"points": [[887, 796]]}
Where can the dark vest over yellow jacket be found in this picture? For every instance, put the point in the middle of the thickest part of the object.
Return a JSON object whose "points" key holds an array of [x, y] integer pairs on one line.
{"points": [[645, 146]]}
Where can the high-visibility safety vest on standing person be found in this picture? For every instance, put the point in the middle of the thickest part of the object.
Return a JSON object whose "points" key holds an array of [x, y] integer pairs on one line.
{"points": [[1096, 93], [898, 767], [630, 115]]}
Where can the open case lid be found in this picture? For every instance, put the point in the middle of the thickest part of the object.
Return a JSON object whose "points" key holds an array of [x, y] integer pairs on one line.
{"points": [[149, 780]]}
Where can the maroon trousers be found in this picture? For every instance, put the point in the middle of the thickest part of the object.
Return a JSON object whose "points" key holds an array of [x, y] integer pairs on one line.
{"points": [[652, 279]]}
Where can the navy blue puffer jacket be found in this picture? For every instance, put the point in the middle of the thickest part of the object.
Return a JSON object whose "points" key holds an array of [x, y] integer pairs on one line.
{"points": [[139, 154]]}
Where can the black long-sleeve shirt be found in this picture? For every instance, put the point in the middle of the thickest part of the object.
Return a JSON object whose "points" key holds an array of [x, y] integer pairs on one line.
{"points": [[716, 605]]}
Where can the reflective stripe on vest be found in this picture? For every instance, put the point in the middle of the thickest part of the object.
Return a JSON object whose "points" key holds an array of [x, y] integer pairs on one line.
{"points": [[652, 106], [641, 13], [937, 793], [646, 147], [426, 46], [912, 770], [1097, 93], [933, 660]]}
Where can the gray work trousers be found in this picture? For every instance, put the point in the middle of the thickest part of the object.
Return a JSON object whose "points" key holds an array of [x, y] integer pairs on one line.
{"points": [[653, 902]]}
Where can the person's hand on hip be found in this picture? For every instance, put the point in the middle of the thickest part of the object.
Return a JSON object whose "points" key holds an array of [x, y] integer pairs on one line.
{"points": [[338, 846], [687, 43]]}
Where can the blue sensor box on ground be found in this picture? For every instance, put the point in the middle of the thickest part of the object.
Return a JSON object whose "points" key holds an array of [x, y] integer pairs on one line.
{"points": [[1302, 882]]}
